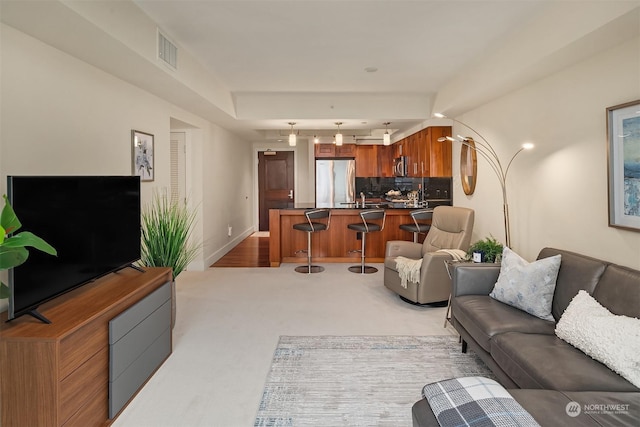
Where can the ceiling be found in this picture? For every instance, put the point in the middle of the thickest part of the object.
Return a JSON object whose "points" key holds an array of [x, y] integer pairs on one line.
{"points": [[326, 46], [318, 62], [330, 50]]}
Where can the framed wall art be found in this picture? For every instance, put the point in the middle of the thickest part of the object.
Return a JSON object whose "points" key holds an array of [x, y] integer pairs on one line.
{"points": [[623, 156], [142, 155]]}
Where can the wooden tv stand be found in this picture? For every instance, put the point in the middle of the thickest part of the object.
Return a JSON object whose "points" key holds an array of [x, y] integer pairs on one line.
{"points": [[59, 374]]}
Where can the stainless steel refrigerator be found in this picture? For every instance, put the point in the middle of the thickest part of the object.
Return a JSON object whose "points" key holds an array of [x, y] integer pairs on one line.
{"points": [[335, 183]]}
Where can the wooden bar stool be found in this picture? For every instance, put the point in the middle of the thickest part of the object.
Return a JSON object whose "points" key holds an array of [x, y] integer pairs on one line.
{"points": [[418, 227], [311, 227], [364, 227]]}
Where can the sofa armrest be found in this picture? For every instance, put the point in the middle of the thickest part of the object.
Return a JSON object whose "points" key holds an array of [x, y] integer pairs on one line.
{"points": [[474, 279], [396, 248]]}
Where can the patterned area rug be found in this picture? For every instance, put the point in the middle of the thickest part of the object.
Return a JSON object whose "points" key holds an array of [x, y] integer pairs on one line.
{"points": [[357, 380]]}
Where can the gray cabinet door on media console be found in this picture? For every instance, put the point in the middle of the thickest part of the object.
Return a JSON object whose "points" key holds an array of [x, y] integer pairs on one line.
{"points": [[139, 341]]}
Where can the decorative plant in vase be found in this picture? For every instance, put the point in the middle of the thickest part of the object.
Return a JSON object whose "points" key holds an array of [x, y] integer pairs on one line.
{"points": [[166, 238], [13, 249], [489, 250]]}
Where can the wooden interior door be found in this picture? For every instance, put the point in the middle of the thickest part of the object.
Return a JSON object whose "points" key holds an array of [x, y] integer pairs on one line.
{"points": [[275, 184]]}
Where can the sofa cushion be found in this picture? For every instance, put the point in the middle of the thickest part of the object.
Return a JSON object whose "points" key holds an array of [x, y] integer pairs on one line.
{"points": [[619, 291], [576, 272], [483, 317], [608, 338], [527, 286], [609, 408], [545, 361], [550, 407]]}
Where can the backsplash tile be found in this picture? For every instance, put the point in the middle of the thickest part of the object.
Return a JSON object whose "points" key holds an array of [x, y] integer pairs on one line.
{"points": [[435, 188]]}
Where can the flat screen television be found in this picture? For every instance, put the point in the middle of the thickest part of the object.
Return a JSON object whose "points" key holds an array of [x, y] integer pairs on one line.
{"points": [[92, 221]]}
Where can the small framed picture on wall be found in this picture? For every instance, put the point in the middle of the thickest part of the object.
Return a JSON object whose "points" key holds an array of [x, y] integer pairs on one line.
{"points": [[142, 155]]}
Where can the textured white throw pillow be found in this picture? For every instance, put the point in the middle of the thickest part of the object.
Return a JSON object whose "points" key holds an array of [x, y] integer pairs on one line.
{"points": [[608, 338], [527, 286]]}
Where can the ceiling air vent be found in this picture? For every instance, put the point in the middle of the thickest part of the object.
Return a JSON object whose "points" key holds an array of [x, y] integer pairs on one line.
{"points": [[167, 51]]}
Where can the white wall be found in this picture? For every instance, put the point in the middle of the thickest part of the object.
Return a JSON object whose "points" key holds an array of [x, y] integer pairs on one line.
{"points": [[558, 191], [62, 116], [227, 188]]}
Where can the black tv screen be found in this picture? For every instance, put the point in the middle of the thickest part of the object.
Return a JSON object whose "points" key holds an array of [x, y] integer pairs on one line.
{"points": [[92, 221]]}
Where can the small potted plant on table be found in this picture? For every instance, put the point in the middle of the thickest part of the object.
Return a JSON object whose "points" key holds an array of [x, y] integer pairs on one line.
{"points": [[487, 250]]}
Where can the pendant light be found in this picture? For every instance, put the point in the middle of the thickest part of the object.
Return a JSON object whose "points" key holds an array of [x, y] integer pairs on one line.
{"points": [[386, 138], [292, 135], [338, 135], [316, 139]]}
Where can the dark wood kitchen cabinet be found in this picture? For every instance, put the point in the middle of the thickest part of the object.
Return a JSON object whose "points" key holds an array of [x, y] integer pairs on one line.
{"points": [[345, 151], [385, 160], [412, 155], [367, 161], [434, 156], [325, 150], [426, 156]]}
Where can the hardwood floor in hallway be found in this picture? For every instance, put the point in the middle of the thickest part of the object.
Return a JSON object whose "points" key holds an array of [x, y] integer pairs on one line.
{"points": [[251, 252]]}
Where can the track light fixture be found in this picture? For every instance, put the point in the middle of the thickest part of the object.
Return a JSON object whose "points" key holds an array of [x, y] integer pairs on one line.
{"points": [[339, 134], [292, 135], [386, 138]]}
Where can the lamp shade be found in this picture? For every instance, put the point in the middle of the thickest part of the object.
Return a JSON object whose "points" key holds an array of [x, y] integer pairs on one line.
{"points": [[386, 138], [339, 134], [292, 135]]}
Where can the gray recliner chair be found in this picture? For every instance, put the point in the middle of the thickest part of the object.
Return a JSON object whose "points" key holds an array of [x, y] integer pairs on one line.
{"points": [[451, 228]]}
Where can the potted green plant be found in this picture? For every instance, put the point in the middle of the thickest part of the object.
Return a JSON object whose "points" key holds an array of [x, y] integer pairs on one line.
{"points": [[487, 250], [166, 238], [13, 249]]}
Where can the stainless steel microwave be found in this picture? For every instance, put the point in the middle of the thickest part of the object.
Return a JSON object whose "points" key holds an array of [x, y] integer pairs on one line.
{"points": [[400, 166]]}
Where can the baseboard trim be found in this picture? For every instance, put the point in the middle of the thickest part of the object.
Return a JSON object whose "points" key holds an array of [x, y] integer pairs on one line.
{"points": [[214, 257]]}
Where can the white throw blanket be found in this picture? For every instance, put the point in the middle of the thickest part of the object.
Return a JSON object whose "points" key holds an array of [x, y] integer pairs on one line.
{"points": [[456, 254], [409, 269]]}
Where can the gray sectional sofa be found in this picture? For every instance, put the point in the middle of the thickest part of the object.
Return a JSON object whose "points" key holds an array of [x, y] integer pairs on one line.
{"points": [[543, 372]]}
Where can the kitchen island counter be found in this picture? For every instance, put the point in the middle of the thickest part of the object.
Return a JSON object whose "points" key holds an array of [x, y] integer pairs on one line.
{"points": [[334, 244], [370, 204]]}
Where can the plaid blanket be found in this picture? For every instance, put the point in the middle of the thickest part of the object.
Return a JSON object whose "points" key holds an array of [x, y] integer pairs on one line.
{"points": [[475, 401]]}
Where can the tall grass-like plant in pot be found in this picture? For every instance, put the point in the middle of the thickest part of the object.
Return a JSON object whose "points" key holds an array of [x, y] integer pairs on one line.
{"points": [[167, 238]]}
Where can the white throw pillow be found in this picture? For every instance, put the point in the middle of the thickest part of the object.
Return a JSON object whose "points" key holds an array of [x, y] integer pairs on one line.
{"points": [[527, 286], [608, 338]]}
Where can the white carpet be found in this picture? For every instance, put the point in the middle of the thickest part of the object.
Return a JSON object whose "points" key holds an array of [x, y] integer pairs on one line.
{"points": [[357, 380], [229, 323]]}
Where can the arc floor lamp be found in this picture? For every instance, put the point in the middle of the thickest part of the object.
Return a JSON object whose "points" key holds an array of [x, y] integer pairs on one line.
{"points": [[484, 148]]}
